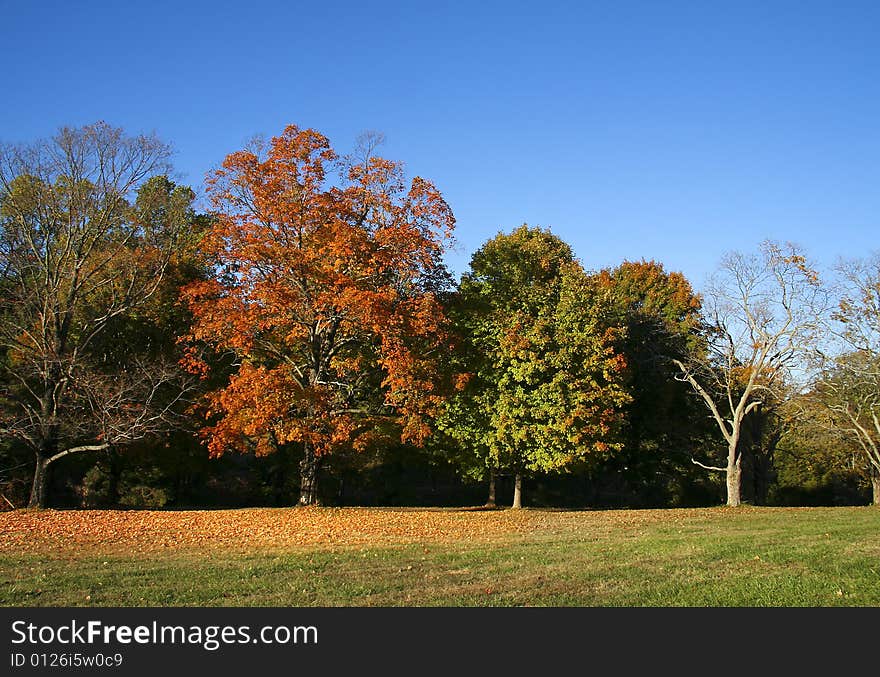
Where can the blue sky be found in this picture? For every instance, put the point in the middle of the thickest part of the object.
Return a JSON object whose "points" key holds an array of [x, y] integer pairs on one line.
{"points": [[666, 130]]}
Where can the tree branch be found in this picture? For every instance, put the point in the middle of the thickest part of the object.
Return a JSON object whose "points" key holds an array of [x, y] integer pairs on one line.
{"points": [[74, 450], [708, 467]]}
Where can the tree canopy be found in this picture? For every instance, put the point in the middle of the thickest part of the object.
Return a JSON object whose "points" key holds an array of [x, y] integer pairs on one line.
{"points": [[301, 315], [545, 382], [89, 227], [327, 294]]}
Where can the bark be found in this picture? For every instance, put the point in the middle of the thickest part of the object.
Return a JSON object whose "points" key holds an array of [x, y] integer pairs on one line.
{"points": [[490, 503], [875, 485], [734, 479], [517, 491], [308, 473], [40, 487], [45, 453]]}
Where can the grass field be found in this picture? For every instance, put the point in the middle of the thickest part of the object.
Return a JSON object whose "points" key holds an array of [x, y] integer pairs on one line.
{"points": [[465, 557]]}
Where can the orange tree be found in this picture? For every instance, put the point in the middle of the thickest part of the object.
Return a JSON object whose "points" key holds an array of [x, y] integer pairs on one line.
{"points": [[326, 295]]}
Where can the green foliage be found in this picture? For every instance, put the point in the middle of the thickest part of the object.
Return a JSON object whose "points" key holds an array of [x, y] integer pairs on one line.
{"points": [[144, 494], [816, 461], [98, 489], [559, 387], [515, 273], [545, 386], [114, 483]]}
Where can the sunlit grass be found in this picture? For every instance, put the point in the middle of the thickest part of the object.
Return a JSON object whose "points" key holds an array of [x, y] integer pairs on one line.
{"points": [[713, 557]]}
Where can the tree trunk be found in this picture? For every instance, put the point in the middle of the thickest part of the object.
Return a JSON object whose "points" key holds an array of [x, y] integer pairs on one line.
{"points": [[308, 474], [490, 503], [875, 485], [517, 491], [734, 479], [40, 487]]}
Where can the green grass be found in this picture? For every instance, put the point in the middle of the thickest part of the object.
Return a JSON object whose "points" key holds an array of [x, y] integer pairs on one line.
{"points": [[716, 557]]}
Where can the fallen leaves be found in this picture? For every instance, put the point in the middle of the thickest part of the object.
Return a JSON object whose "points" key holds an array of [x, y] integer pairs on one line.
{"points": [[95, 532], [140, 531]]}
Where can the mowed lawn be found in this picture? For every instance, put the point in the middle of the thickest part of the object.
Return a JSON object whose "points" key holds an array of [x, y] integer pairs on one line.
{"points": [[448, 557]]}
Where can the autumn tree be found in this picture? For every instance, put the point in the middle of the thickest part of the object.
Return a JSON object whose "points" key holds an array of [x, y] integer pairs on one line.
{"points": [[816, 462], [88, 230], [661, 314], [545, 383], [849, 384], [761, 315], [326, 294]]}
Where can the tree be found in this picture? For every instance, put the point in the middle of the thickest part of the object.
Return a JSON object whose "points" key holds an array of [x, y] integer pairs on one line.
{"points": [[761, 316], [77, 256], [849, 386], [544, 388], [815, 462], [849, 390], [661, 314], [327, 296]]}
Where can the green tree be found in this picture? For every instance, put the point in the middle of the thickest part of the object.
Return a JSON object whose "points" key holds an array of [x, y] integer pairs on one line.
{"points": [[545, 383]]}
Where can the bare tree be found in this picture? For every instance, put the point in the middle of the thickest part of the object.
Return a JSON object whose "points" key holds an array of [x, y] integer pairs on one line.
{"points": [[762, 315], [849, 384], [76, 256]]}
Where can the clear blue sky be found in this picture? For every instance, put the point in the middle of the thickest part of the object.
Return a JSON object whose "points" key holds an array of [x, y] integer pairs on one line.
{"points": [[666, 130]]}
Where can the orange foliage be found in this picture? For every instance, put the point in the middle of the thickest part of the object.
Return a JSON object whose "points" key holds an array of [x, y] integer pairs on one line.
{"points": [[666, 294], [321, 286]]}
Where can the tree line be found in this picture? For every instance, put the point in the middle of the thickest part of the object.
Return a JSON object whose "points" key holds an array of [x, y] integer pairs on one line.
{"points": [[299, 339]]}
